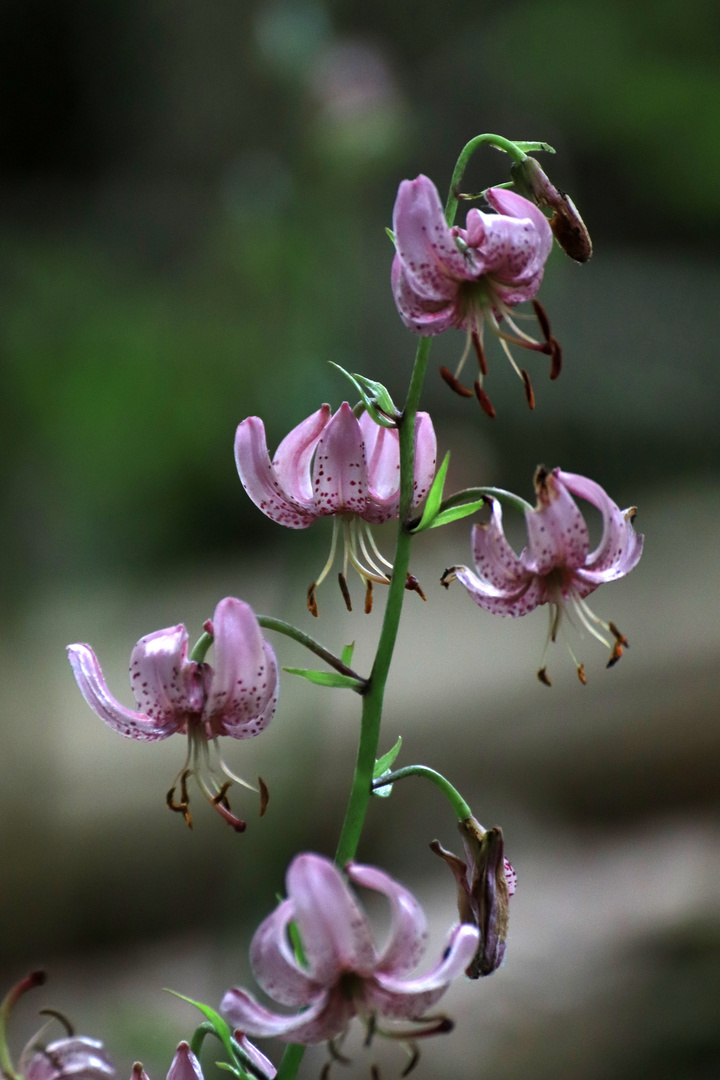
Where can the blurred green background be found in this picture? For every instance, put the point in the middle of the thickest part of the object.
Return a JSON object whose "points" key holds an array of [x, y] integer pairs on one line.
{"points": [[193, 208]]}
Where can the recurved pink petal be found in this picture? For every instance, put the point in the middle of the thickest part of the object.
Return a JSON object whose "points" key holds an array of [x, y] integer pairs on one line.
{"points": [[557, 533], [293, 458], [333, 929], [516, 206], [408, 930], [526, 596], [382, 451], [274, 964], [424, 242], [259, 479], [258, 1059], [425, 456], [243, 687], [620, 546], [410, 998], [340, 468], [77, 1058], [162, 679], [184, 1066], [134, 725], [427, 317], [495, 560], [325, 1018]]}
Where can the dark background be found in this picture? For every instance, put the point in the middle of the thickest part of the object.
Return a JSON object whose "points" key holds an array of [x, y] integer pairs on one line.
{"points": [[192, 210]]}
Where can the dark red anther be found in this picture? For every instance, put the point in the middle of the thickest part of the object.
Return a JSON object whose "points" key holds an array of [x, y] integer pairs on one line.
{"points": [[311, 601], [413, 585], [345, 591], [368, 597], [485, 403], [541, 316], [479, 352], [264, 795], [529, 394], [454, 383], [544, 677], [555, 358]]}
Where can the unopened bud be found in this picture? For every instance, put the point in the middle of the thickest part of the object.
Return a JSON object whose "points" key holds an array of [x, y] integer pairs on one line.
{"points": [[568, 227]]}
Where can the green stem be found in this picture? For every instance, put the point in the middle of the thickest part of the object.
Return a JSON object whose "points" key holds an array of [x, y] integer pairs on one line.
{"points": [[373, 699], [466, 153], [506, 498], [453, 796], [269, 623], [290, 1061], [200, 648]]}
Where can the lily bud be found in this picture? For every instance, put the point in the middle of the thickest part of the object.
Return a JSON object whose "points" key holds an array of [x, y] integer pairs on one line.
{"points": [[486, 881], [568, 227]]}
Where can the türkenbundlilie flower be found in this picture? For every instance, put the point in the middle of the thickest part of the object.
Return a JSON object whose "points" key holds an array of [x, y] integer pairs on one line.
{"points": [[485, 882], [185, 1065], [74, 1057], [468, 278], [336, 972], [556, 567], [177, 695], [568, 227], [339, 466]]}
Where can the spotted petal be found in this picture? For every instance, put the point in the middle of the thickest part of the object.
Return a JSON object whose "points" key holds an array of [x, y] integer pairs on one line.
{"points": [[333, 930], [293, 457], [274, 964], [326, 1017], [134, 725], [260, 480], [75, 1058], [421, 315], [243, 688], [557, 533], [425, 244], [340, 468], [410, 998], [408, 931], [620, 546]]}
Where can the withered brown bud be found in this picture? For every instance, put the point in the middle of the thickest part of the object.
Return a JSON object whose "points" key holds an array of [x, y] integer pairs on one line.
{"points": [[568, 227], [486, 881]]}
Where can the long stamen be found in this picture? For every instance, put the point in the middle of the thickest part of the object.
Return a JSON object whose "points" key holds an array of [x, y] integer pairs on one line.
{"points": [[311, 601], [587, 618], [373, 545], [229, 773], [369, 558]]}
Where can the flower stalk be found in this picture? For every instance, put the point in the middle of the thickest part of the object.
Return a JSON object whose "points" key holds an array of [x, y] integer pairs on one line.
{"points": [[453, 796]]}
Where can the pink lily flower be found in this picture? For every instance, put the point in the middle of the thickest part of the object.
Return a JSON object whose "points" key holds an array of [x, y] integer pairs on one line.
{"points": [[446, 277], [174, 694], [185, 1065], [342, 974], [338, 466], [556, 567], [73, 1058]]}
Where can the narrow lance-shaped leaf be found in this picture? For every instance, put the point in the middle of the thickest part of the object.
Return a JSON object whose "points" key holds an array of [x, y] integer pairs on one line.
{"points": [[327, 678], [374, 397], [347, 654], [455, 513], [434, 499]]}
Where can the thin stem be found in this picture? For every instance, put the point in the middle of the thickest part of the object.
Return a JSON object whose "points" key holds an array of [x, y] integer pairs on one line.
{"points": [[200, 648], [453, 796], [290, 1061], [373, 699], [468, 150], [281, 627]]}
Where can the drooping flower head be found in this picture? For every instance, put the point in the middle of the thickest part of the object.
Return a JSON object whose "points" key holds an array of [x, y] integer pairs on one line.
{"points": [[185, 1065], [556, 567], [342, 973], [468, 278], [339, 466], [178, 695], [485, 882], [74, 1057]]}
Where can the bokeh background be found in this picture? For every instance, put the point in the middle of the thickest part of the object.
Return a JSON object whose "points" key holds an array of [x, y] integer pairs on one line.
{"points": [[193, 201]]}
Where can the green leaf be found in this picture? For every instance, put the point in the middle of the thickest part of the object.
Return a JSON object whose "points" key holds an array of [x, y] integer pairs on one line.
{"points": [[432, 503], [385, 763], [221, 1028], [375, 398], [529, 147], [327, 678], [390, 233], [347, 654], [455, 513]]}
